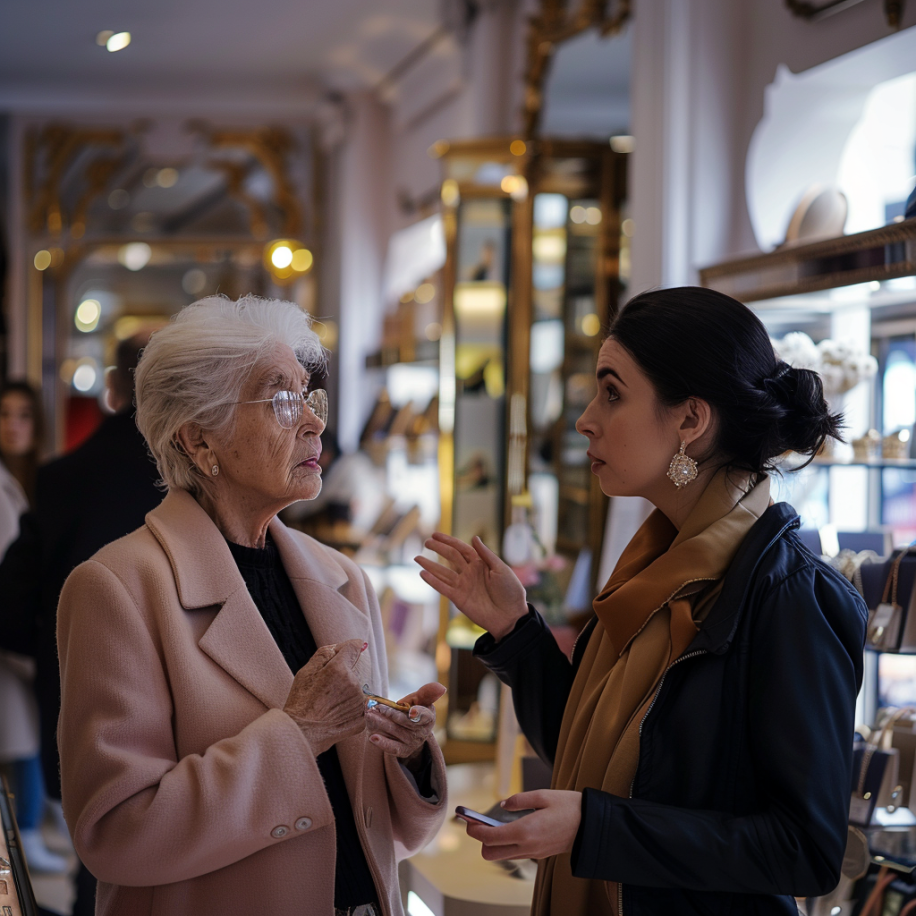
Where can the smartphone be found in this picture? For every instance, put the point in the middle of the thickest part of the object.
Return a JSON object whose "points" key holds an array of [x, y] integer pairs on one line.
{"points": [[472, 815], [374, 700]]}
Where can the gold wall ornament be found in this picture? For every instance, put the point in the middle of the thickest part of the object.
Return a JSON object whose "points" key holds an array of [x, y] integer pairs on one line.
{"points": [[271, 147], [50, 154], [893, 9], [551, 27]]}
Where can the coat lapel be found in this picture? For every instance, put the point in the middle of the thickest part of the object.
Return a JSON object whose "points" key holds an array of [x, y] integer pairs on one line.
{"points": [[206, 576], [317, 577]]}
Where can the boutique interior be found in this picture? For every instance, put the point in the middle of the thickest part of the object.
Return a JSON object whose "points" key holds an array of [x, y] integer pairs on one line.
{"points": [[462, 195]]}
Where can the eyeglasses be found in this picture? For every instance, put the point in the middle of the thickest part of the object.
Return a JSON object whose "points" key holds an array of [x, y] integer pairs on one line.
{"points": [[288, 406]]}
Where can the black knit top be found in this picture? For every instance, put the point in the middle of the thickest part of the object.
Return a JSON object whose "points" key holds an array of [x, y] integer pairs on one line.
{"points": [[273, 595]]}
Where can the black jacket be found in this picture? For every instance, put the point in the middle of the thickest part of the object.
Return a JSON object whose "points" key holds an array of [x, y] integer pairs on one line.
{"points": [[741, 795], [96, 494]]}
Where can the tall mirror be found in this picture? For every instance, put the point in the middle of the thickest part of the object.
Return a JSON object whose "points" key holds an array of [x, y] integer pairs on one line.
{"points": [[533, 273]]}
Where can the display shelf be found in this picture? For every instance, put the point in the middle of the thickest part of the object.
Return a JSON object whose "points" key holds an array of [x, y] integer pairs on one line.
{"points": [[865, 257]]}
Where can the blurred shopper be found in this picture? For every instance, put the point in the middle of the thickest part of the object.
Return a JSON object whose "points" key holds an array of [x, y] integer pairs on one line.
{"points": [[701, 734], [217, 753], [20, 440], [84, 500]]}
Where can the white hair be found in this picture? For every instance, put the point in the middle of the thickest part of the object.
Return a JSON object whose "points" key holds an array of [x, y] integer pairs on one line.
{"points": [[193, 370]]}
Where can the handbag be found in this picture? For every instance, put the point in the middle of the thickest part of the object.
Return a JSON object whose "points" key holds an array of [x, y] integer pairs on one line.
{"points": [[891, 628]]}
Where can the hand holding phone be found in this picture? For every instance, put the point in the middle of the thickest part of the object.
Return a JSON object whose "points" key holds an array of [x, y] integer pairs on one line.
{"points": [[469, 814]]}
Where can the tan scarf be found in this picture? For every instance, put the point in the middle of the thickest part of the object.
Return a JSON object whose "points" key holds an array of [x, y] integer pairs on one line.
{"points": [[663, 585]]}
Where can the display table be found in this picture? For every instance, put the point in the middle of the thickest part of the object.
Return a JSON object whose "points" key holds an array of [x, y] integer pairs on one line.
{"points": [[449, 877]]}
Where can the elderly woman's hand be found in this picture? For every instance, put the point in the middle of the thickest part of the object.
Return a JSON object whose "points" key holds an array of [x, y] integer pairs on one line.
{"points": [[326, 700], [403, 734]]}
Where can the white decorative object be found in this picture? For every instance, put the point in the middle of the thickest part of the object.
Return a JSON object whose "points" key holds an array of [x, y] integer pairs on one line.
{"points": [[841, 365]]}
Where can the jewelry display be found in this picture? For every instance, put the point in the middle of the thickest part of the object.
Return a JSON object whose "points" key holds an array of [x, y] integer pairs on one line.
{"points": [[682, 469]]}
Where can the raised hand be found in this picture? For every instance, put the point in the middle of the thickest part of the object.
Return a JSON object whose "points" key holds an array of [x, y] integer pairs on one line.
{"points": [[476, 581]]}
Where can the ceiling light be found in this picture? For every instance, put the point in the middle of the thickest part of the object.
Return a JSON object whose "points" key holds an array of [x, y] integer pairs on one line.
{"points": [[118, 41]]}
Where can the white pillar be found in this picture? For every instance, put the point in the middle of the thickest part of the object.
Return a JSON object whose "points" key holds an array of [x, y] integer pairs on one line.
{"points": [[363, 226]]}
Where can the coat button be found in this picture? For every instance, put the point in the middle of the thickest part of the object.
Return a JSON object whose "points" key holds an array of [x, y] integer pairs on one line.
{"points": [[303, 823], [279, 832]]}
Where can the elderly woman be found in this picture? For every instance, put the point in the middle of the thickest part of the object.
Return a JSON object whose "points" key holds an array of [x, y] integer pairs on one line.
{"points": [[215, 759]]}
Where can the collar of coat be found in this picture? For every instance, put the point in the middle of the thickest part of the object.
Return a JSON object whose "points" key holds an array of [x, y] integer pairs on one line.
{"points": [[205, 571]]}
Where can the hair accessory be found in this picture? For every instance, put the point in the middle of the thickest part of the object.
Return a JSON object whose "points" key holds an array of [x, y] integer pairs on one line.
{"points": [[781, 369], [682, 469], [214, 470]]}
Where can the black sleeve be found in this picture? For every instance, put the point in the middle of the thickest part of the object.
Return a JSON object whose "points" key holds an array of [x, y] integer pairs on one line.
{"points": [[805, 671], [540, 675], [20, 589]]}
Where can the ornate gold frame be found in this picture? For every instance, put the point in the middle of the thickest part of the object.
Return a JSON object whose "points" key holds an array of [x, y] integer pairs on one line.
{"points": [[553, 25]]}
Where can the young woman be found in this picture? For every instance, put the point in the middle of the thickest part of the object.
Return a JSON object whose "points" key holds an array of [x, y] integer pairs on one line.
{"points": [[701, 734], [20, 441]]}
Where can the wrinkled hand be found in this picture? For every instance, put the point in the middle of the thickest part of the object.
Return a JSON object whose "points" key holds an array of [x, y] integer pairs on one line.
{"points": [[477, 582], [326, 700], [548, 831], [403, 734]]}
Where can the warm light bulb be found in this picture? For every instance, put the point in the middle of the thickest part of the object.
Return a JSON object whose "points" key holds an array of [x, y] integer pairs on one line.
{"points": [[281, 257], [118, 41], [302, 260]]}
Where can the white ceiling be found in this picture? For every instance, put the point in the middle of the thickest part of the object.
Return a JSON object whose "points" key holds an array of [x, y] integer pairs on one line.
{"points": [[243, 51]]}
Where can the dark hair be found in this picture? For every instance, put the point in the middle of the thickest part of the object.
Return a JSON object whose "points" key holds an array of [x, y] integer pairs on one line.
{"points": [[127, 356], [25, 468], [19, 386], [696, 342]]}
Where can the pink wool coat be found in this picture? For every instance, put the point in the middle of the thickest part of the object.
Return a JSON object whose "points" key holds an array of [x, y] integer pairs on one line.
{"points": [[187, 789]]}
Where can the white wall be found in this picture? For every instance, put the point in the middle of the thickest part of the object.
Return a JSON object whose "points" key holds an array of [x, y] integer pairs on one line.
{"points": [[700, 70]]}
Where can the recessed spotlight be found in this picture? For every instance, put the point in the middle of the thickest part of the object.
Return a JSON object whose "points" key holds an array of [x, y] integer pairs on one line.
{"points": [[118, 41]]}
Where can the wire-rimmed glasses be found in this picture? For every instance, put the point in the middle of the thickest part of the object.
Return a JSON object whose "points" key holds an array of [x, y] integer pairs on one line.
{"points": [[288, 406]]}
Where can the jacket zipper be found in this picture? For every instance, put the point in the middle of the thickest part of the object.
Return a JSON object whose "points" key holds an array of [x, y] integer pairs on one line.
{"points": [[642, 722]]}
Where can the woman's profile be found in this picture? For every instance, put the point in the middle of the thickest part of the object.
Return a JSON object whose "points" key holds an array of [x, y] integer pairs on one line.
{"points": [[701, 733]]}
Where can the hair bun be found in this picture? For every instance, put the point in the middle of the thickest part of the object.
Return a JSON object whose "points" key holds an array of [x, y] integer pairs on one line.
{"points": [[806, 419]]}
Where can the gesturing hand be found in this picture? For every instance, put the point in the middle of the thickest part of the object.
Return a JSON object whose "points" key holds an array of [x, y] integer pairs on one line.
{"points": [[548, 831], [477, 582], [326, 700], [403, 734]]}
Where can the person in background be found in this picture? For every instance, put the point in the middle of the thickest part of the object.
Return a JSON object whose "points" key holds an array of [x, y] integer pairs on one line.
{"points": [[20, 440], [83, 500], [701, 733], [218, 752]]}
